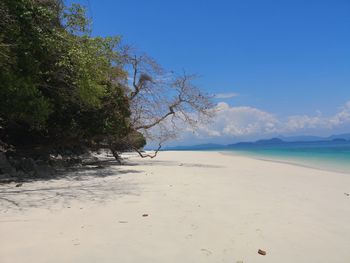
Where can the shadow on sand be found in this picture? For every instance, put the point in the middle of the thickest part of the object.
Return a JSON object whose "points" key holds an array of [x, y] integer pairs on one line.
{"points": [[96, 182], [172, 163]]}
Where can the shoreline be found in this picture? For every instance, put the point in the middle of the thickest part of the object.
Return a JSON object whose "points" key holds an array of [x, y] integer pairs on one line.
{"points": [[288, 162], [180, 207]]}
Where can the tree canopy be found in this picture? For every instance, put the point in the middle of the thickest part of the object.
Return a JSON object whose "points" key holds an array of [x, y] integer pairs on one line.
{"points": [[61, 87]]}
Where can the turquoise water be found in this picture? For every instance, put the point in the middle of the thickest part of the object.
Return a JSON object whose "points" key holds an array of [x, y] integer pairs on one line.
{"points": [[333, 156]]}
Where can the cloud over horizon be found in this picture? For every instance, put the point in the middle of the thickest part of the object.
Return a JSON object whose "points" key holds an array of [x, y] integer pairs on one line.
{"points": [[245, 122]]}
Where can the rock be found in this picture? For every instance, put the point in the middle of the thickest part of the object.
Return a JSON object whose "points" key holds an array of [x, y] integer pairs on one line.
{"points": [[56, 160], [262, 252], [88, 158], [44, 170], [72, 161], [27, 164], [19, 174], [19, 185], [5, 166], [55, 157], [6, 179], [26, 167]]}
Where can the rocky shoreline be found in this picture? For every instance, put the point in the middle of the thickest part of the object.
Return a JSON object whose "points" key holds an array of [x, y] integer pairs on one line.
{"points": [[14, 168]]}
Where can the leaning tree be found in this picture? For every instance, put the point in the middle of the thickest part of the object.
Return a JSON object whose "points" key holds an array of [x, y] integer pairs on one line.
{"points": [[162, 103]]}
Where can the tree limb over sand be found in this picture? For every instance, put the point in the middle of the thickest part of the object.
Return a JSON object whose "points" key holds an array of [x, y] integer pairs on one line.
{"points": [[163, 103]]}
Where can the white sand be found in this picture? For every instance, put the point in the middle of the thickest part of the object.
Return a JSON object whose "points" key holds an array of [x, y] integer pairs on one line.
{"points": [[201, 206]]}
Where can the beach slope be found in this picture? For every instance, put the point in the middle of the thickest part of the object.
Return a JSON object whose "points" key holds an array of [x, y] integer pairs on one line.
{"points": [[180, 207]]}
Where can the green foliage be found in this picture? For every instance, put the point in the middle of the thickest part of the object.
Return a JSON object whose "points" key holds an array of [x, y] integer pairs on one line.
{"points": [[137, 140], [20, 96], [58, 84], [75, 20], [23, 102]]}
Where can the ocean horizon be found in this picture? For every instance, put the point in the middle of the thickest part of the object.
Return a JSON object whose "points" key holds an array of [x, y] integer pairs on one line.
{"points": [[330, 155]]}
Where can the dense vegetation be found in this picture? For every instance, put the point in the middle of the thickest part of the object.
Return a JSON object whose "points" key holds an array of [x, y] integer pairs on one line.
{"points": [[64, 91], [60, 87]]}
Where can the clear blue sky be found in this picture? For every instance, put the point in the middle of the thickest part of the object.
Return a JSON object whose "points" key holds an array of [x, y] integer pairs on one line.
{"points": [[285, 57]]}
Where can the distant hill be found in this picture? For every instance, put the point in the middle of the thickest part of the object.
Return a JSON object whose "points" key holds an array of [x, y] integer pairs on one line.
{"points": [[301, 138], [345, 136], [272, 141], [281, 140]]}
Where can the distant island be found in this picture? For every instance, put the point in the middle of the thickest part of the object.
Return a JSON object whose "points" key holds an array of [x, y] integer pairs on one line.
{"points": [[281, 140]]}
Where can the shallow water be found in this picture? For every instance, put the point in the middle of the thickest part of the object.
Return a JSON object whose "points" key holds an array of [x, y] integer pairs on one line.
{"points": [[334, 156]]}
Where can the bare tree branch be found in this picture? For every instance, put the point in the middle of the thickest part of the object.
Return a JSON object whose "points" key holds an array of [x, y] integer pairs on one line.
{"points": [[160, 119], [162, 103], [147, 155]]}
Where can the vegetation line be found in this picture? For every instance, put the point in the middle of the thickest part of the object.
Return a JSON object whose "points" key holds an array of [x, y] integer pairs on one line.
{"points": [[66, 92]]}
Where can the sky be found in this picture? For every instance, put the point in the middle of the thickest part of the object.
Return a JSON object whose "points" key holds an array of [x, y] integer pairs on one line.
{"points": [[277, 67]]}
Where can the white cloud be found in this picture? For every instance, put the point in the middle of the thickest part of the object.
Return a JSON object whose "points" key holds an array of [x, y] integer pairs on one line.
{"points": [[225, 95], [299, 122], [243, 121], [343, 116], [232, 124]]}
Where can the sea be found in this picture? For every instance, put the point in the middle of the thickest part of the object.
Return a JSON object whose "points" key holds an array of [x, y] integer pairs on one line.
{"points": [[333, 155], [324, 155]]}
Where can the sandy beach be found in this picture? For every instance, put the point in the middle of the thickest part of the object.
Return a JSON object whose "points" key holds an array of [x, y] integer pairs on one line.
{"points": [[179, 207]]}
